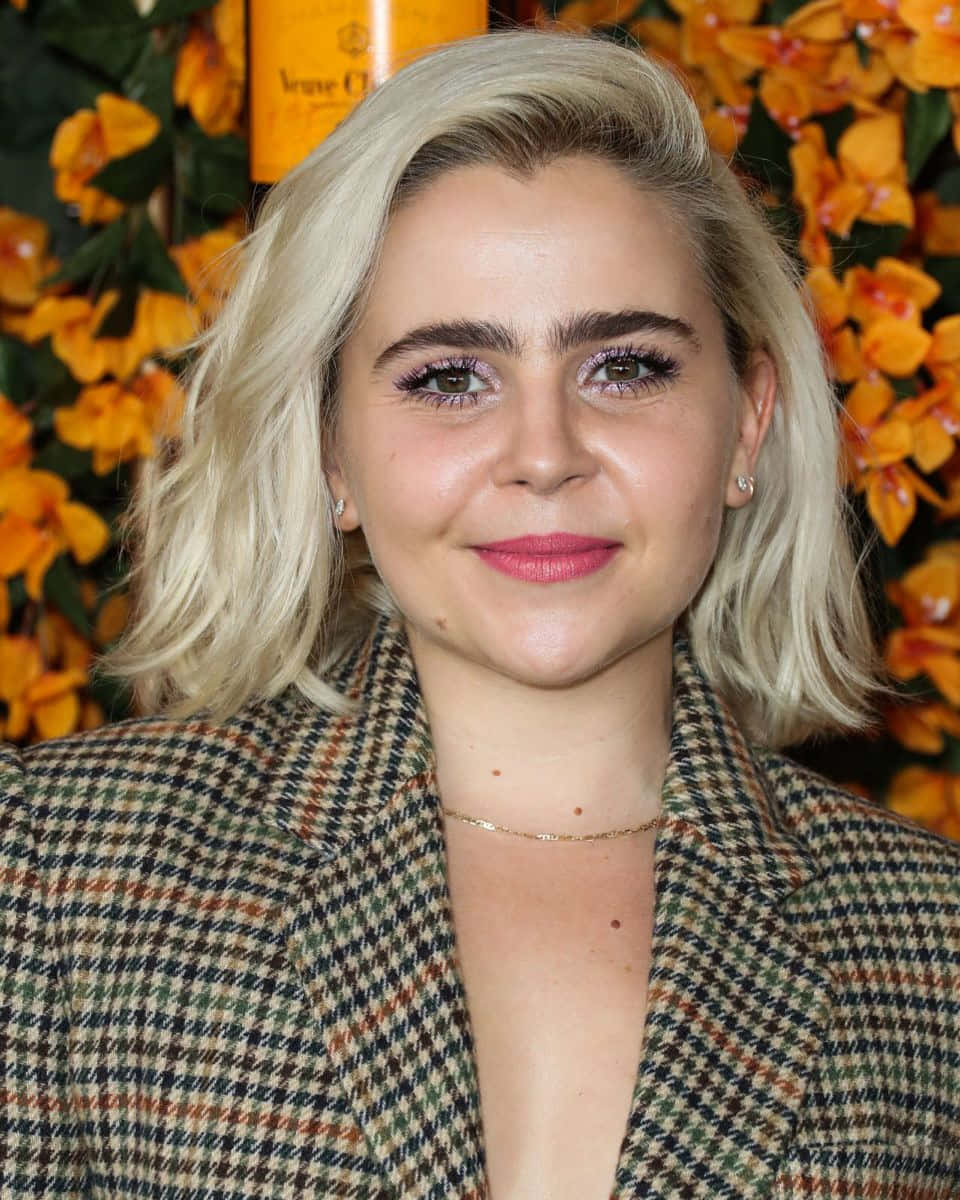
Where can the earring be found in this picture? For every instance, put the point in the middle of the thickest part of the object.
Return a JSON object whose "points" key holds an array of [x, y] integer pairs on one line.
{"points": [[746, 484], [339, 507]]}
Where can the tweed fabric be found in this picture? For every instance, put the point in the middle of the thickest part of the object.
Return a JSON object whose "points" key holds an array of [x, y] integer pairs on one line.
{"points": [[229, 968]]}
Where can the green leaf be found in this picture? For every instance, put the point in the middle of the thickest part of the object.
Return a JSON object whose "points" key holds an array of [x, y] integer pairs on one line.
{"points": [[15, 362], [866, 243], [119, 320], [863, 50], [66, 461], [763, 151], [926, 122], [778, 11], [153, 265], [115, 696], [948, 186], [833, 124], [106, 34], [38, 87], [18, 592], [150, 82], [52, 382], [61, 588], [787, 224], [214, 171], [165, 12], [946, 271], [133, 177], [97, 252], [26, 184]]}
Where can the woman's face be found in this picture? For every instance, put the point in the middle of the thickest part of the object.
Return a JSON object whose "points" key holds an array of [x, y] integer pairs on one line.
{"points": [[551, 410]]}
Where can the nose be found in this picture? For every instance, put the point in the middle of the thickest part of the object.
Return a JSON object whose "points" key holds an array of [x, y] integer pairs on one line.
{"points": [[543, 445]]}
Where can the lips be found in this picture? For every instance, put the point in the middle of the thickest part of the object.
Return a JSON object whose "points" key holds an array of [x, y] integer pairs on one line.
{"points": [[550, 544], [548, 558]]}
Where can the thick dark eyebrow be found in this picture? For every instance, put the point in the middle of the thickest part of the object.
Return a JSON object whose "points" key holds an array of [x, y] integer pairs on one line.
{"points": [[566, 334]]}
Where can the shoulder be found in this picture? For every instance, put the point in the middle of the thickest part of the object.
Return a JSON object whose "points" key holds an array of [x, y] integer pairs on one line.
{"points": [[147, 789], [871, 856]]}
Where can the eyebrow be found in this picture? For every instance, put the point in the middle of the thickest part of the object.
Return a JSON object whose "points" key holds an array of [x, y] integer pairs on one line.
{"points": [[565, 334]]}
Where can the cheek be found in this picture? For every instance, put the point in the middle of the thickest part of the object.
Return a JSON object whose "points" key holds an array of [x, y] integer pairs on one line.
{"points": [[410, 482]]}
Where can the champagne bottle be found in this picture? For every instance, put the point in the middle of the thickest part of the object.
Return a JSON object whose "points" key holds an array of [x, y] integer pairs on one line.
{"points": [[311, 61]]}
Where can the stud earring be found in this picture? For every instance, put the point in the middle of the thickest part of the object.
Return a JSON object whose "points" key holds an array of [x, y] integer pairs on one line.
{"points": [[746, 484], [340, 506]]}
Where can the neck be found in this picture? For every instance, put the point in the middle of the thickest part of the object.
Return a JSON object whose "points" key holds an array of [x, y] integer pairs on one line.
{"points": [[567, 760]]}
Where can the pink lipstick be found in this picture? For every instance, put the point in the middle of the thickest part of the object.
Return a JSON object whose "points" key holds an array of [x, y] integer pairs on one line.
{"points": [[549, 558]]}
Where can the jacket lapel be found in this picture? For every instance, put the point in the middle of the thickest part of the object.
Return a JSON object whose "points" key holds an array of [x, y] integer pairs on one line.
{"points": [[737, 1006], [372, 934]]}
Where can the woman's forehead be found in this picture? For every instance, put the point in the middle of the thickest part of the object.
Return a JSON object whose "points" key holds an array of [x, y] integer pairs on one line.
{"points": [[572, 239]]}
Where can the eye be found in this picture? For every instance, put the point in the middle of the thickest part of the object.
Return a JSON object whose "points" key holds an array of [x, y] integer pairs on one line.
{"points": [[628, 370], [445, 382]]}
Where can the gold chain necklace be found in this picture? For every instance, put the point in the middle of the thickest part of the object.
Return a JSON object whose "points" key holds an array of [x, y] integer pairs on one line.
{"points": [[552, 837]]}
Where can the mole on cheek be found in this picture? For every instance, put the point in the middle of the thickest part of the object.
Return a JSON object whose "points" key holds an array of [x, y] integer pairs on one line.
{"points": [[577, 811], [494, 772], [614, 924]]}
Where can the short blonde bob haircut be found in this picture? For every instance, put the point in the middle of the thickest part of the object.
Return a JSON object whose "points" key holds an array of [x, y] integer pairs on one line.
{"points": [[242, 584]]}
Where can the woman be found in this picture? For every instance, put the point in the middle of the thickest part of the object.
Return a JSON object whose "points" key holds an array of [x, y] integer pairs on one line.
{"points": [[501, 550]]}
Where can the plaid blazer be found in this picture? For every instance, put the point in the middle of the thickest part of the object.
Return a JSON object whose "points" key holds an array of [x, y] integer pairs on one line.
{"points": [[229, 968]]}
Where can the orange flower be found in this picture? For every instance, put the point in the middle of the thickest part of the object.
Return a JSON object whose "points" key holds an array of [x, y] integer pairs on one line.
{"points": [[703, 22], [936, 48], [50, 704], [928, 593], [15, 434], [892, 499], [943, 354], [164, 323], [935, 417], [921, 727], [84, 143], [23, 257], [44, 700], [60, 644], [872, 438], [930, 797], [71, 323], [112, 618], [828, 200], [848, 81], [893, 346], [118, 422], [38, 521], [162, 399], [830, 312], [766, 46], [207, 268], [938, 225], [204, 81], [891, 289], [870, 154], [928, 650]]}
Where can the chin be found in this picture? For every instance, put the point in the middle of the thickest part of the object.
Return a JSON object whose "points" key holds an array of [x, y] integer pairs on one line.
{"points": [[550, 659]]}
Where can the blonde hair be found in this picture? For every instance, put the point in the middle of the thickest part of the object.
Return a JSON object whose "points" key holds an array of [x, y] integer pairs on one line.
{"points": [[242, 585]]}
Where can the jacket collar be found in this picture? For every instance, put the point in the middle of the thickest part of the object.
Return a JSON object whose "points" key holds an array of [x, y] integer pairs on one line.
{"points": [[737, 1003]]}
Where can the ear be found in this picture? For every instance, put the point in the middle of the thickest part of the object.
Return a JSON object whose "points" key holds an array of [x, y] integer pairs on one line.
{"points": [[758, 397], [338, 487]]}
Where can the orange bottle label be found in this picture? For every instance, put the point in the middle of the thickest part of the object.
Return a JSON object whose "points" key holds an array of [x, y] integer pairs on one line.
{"points": [[311, 61]]}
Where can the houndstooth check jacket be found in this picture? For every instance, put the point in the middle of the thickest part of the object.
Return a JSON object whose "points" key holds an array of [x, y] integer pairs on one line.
{"points": [[229, 968]]}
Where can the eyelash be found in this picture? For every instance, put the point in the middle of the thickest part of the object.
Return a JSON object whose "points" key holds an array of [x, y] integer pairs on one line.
{"points": [[661, 366]]}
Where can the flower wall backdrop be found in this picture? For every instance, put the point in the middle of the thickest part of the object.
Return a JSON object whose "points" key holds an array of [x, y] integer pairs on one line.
{"points": [[123, 178]]}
